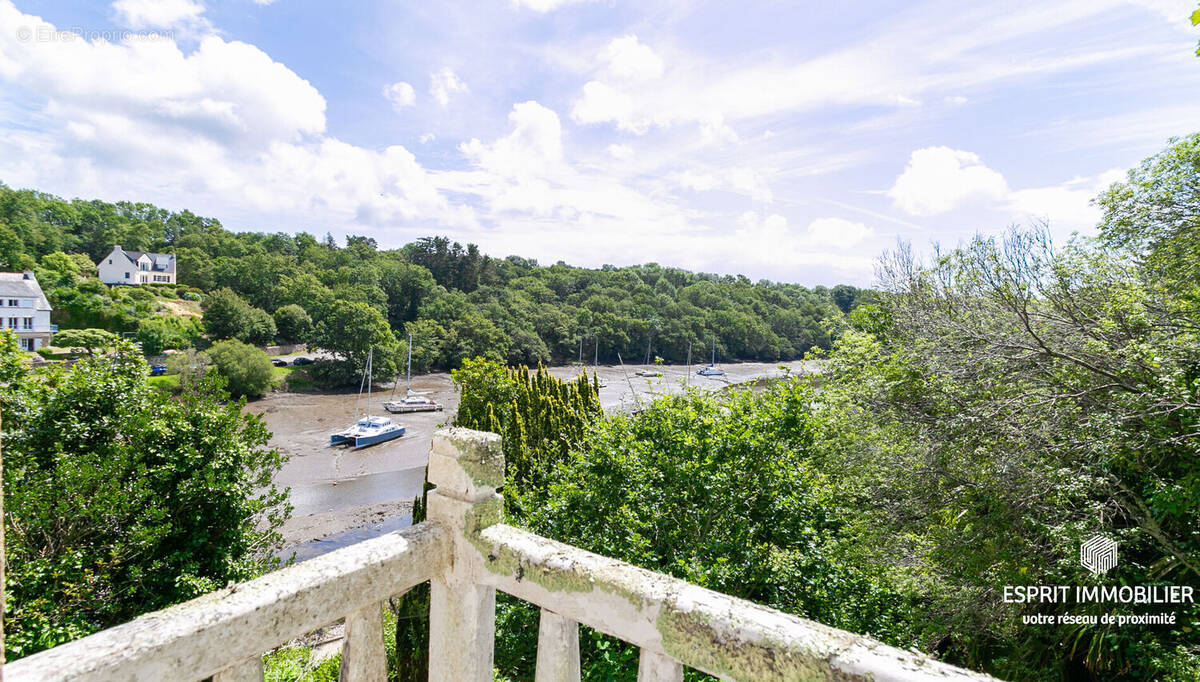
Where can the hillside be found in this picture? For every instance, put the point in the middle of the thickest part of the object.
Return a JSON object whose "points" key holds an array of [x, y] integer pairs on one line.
{"points": [[456, 301]]}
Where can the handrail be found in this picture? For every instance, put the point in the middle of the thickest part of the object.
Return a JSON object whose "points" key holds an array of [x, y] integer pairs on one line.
{"points": [[202, 637], [715, 633]]}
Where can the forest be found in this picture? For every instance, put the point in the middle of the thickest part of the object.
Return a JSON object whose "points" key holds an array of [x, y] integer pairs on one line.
{"points": [[456, 301]]}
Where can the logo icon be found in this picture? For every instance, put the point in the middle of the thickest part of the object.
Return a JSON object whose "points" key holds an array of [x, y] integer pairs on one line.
{"points": [[1098, 554]]}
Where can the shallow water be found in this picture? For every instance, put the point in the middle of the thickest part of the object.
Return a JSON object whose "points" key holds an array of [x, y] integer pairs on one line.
{"points": [[327, 544]]}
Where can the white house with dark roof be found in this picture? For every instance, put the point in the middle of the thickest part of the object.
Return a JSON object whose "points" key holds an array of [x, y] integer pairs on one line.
{"points": [[24, 310], [137, 267]]}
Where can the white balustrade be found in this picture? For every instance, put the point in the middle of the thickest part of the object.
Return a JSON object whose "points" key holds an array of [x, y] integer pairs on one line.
{"points": [[467, 553]]}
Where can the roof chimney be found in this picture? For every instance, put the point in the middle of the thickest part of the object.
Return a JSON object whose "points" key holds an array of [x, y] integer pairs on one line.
{"points": [[28, 274], [118, 248]]}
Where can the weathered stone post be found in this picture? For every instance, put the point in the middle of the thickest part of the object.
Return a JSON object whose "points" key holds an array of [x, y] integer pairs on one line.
{"points": [[467, 467]]}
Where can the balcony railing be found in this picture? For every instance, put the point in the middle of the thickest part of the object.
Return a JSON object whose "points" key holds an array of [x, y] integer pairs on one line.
{"points": [[467, 553]]}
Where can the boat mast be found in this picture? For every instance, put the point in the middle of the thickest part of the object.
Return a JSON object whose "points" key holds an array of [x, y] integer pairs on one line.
{"points": [[408, 389], [367, 378], [714, 353], [688, 377]]}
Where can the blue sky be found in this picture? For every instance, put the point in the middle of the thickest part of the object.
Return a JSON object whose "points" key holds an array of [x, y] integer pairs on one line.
{"points": [[771, 139]]}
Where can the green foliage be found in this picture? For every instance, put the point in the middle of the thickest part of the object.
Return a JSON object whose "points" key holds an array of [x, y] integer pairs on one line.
{"points": [[120, 500], [542, 418], [292, 323], [246, 369], [90, 340], [1006, 402], [157, 334], [229, 316], [349, 330]]}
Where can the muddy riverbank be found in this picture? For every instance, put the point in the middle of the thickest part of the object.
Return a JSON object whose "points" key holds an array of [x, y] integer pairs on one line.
{"points": [[336, 491]]}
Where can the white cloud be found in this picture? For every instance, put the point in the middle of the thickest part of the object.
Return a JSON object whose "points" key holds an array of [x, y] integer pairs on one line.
{"points": [[837, 232], [601, 103], [427, 138], [443, 84], [533, 148], [544, 5], [940, 179], [223, 123], [620, 151], [142, 14], [1067, 206], [400, 94], [737, 179], [628, 59], [757, 235]]}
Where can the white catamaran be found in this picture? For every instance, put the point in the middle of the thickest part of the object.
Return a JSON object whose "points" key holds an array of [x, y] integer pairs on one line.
{"points": [[368, 430], [411, 402]]}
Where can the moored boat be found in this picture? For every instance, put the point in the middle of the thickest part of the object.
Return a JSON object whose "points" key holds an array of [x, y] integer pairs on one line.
{"points": [[411, 402], [712, 370], [368, 430]]}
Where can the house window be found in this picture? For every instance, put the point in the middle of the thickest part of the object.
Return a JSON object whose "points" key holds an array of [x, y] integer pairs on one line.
{"points": [[12, 323], [13, 303], [26, 344], [127, 275], [27, 323], [110, 261]]}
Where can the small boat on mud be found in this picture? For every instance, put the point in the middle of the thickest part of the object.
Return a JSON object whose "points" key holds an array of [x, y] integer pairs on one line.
{"points": [[411, 402], [368, 430], [712, 370]]}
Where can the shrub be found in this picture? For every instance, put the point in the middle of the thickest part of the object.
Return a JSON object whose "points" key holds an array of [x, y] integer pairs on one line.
{"points": [[121, 500], [90, 340], [247, 370]]}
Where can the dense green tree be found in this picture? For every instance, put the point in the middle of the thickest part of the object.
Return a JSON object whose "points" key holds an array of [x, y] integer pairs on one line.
{"points": [[90, 340], [999, 406], [229, 316], [226, 315], [246, 369], [349, 330], [121, 500], [292, 324], [260, 328]]}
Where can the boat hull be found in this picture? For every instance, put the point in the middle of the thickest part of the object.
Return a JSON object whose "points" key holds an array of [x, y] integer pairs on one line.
{"points": [[397, 408], [364, 441]]}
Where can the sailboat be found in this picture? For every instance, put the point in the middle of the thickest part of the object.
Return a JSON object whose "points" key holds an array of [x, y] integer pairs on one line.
{"points": [[648, 371], [595, 363], [411, 402], [368, 430], [712, 370]]}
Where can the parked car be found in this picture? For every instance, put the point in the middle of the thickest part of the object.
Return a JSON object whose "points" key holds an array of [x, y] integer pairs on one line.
{"points": [[279, 362], [158, 370], [303, 361]]}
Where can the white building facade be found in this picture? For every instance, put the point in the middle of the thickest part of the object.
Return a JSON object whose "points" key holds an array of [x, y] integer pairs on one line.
{"points": [[24, 310], [137, 267]]}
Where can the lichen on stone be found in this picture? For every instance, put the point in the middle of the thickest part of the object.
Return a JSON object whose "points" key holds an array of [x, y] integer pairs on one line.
{"points": [[691, 637]]}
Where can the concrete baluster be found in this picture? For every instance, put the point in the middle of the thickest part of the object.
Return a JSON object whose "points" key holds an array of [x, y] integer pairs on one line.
{"points": [[250, 670], [467, 467], [363, 657], [558, 649], [653, 667]]}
